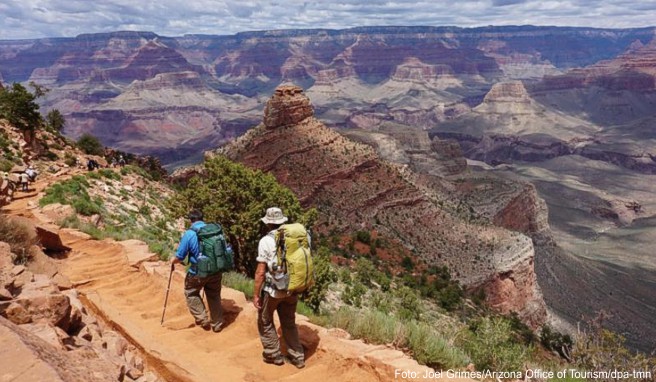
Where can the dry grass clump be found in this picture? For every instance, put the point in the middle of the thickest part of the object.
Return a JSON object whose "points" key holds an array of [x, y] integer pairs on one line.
{"points": [[19, 237]]}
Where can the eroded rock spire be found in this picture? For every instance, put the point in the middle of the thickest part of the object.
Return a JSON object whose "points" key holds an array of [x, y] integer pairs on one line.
{"points": [[288, 106]]}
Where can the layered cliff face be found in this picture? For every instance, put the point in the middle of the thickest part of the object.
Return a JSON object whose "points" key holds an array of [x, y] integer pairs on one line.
{"points": [[423, 76], [354, 188]]}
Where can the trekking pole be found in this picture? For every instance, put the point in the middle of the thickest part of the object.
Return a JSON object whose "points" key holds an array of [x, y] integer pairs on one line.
{"points": [[166, 299]]}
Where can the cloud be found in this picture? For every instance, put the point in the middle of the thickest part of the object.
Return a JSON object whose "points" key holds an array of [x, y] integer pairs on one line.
{"points": [[55, 18], [500, 3]]}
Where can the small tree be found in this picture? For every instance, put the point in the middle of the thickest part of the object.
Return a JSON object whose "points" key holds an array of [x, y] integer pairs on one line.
{"points": [[90, 145], [18, 106], [237, 197], [55, 120]]}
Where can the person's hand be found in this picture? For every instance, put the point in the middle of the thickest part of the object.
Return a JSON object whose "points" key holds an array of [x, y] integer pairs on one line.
{"points": [[256, 302], [173, 261]]}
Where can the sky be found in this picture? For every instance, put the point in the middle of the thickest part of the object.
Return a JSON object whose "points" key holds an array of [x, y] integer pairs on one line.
{"points": [[21, 19]]}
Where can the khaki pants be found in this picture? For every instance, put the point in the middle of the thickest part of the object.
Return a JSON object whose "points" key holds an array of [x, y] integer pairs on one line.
{"points": [[212, 286], [286, 308]]}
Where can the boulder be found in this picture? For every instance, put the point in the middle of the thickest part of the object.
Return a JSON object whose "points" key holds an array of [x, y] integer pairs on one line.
{"points": [[134, 374], [50, 239], [24, 277], [17, 270], [17, 314], [91, 333], [47, 332], [115, 344], [53, 308], [38, 284], [33, 359], [133, 360], [62, 282], [5, 295]]}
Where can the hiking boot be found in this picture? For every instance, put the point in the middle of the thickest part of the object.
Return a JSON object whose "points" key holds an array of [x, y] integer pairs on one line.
{"points": [[278, 361], [299, 363], [218, 327], [204, 324]]}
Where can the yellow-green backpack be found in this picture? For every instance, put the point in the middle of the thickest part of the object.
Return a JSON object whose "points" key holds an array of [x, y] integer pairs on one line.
{"points": [[293, 252]]}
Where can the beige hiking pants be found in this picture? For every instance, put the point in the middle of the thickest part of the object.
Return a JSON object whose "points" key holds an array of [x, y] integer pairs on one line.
{"points": [[212, 286], [286, 308]]}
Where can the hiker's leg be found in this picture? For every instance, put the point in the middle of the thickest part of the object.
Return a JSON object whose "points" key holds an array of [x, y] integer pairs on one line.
{"points": [[193, 285], [267, 330], [213, 293], [287, 315]]}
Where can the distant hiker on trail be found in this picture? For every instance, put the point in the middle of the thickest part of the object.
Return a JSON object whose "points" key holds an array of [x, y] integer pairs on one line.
{"points": [[273, 292], [31, 173], [200, 243], [24, 179], [92, 164], [121, 161]]}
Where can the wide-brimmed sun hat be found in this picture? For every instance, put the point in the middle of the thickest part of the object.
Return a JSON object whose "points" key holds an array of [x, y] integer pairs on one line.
{"points": [[274, 216]]}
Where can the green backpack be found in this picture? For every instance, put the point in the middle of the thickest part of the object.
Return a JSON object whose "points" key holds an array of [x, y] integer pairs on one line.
{"points": [[215, 252], [294, 257]]}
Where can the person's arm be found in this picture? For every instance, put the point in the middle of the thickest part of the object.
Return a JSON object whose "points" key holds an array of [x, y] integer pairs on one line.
{"points": [[183, 248], [259, 282]]}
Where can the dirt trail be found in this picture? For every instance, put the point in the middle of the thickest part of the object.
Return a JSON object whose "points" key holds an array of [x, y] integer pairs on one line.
{"points": [[129, 295]]}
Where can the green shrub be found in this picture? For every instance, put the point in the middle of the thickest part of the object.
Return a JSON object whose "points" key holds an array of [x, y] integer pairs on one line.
{"points": [[426, 344], [161, 248], [239, 282], [492, 346], [74, 193], [6, 165], [69, 159], [324, 276], [599, 349], [555, 341], [93, 175], [353, 294], [90, 145], [109, 174], [372, 326], [408, 303], [85, 206], [55, 120], [363, 237], [302, 308], [432, 349], [407, 263], [49, 155]]}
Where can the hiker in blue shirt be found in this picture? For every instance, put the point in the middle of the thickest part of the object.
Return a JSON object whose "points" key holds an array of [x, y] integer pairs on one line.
{"points": [[189, 247]]}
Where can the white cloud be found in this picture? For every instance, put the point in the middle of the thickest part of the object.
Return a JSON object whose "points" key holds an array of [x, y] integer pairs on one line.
{"points": [[54, 18]]}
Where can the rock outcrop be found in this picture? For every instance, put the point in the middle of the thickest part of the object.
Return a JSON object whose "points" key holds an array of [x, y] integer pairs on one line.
{"points": [[288, 106], [26, 356], [46, 333], [353, 188]]}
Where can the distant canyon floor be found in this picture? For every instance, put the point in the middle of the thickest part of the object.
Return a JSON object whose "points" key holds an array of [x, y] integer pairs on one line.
{"points": [[605, 259]]}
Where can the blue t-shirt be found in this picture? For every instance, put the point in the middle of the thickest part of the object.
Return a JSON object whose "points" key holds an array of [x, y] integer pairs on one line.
{"points": [[189, 246]]}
